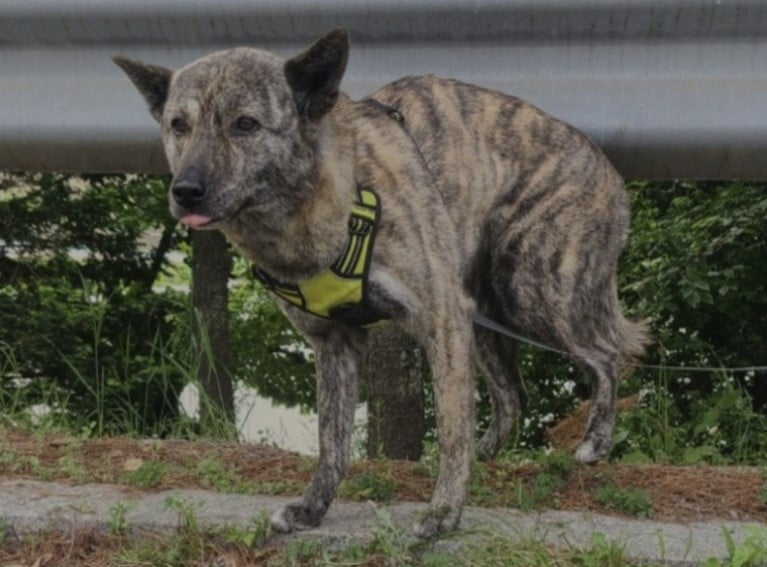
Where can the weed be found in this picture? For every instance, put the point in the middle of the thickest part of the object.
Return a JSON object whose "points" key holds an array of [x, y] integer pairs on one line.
{"points": [[558, 464], [255, 534], [74, 470], [186, 513], [116, 520], [521, 497], [308, 463], [439, 559], [370, 485], [38, 470], [8, 460], [631, 501], [764, 487], [299, 552], [540, 490], [430, 458], [480, 490], [391, 541], [495, 550], [353, 554], [751, 553], [601, 553], [188, 546], [149, 475], [543, 487], [213, 473]]}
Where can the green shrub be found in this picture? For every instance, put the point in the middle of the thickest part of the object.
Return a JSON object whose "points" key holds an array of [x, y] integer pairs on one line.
{"points": [[631, 501]]}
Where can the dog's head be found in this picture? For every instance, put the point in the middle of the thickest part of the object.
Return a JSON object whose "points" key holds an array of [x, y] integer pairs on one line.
{"points": [[239, 127]]}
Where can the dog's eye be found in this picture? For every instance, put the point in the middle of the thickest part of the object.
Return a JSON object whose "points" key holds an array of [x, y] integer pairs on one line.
{"points": [[246, 124], [179, 126]]}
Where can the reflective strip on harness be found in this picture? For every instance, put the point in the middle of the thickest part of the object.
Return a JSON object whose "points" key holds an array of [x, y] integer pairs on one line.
{"points": [[340, 292]]}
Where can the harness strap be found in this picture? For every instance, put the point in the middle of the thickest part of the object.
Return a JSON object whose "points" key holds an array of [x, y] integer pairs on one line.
{"points": [[340, 293]]}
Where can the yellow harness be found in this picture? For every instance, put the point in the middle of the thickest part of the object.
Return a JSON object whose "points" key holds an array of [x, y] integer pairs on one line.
{"points": [[340, 292]]}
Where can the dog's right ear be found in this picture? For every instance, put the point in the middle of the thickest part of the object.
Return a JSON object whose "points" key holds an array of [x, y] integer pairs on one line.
{"points": [[315, 75], [151, 81]]}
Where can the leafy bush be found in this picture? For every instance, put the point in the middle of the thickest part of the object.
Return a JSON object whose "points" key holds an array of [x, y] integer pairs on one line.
{"points": [[80, 327], [696, 266]]}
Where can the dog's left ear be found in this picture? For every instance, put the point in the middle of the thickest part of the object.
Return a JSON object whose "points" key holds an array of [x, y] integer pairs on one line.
{"points": [[152, 82], [315, 75]]}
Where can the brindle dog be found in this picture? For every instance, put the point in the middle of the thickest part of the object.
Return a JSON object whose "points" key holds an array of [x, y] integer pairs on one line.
{"points": [[488, 204]]}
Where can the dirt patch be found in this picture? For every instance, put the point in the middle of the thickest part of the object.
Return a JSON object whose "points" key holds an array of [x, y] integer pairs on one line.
{"points": [[676, 493]]}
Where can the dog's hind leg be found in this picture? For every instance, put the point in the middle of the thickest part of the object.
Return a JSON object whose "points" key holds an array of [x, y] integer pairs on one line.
{"points": [[597, 440], [497, 359], [338, 352], [614, 340]]}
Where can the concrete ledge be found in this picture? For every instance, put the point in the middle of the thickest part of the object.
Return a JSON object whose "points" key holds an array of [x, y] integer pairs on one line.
{"points": [[28, 505]]}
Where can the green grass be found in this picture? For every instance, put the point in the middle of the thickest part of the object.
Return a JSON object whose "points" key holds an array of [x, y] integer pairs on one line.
{"points": [[72, 468], [375, 485], [116, 520], [37, 469], [752, 552], [149, 475], [631, 501], [255, 534], [212, 472], [538, 491]]}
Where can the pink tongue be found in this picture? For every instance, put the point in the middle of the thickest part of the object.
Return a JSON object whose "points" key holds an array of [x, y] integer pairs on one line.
{"points": [[195, 221]]}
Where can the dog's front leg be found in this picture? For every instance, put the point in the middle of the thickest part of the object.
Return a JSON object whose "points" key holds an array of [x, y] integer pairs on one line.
{"points": [[449, 351], [338, 353]]}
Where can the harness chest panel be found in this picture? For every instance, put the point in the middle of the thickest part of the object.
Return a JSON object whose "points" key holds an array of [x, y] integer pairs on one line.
{"points": [[340, 292]]}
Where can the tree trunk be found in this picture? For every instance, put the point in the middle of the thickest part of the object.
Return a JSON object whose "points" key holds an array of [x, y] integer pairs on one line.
{"points": [[211, 265], [394, 371]]}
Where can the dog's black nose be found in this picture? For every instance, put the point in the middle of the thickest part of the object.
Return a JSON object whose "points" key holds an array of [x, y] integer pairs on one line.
{"points": [[188, 193]]}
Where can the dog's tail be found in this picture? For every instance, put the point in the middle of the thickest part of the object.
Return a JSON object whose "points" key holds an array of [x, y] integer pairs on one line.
{"points": [[633, 338]]}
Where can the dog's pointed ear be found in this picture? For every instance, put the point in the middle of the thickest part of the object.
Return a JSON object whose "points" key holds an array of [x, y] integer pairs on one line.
{"points": [[315, 75], [151, 81]]}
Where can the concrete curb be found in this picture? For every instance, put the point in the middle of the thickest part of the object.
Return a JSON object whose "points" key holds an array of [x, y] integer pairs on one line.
{"points": [[29, 505]]}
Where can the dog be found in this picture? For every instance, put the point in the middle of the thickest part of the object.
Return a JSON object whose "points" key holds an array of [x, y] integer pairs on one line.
{"points": [[477, 202]]}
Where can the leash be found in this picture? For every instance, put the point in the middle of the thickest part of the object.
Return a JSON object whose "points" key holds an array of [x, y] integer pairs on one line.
{"points": [[483, 321]]}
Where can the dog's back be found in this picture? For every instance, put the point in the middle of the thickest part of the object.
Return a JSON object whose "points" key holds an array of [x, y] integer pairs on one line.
{"points": [[543, 217], [537, 205]]}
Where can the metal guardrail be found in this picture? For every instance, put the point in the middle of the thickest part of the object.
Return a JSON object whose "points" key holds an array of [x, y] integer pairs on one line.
{"points": [[669, 88]]}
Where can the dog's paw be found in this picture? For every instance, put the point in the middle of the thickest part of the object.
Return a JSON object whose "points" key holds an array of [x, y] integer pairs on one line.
{"points": [[487, 447], [282, 521], [295, 517], [589, 452], [436, 521]]}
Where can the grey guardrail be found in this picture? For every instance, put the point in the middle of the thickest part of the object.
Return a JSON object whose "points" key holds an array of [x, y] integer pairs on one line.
{"points": [[669, 88]]}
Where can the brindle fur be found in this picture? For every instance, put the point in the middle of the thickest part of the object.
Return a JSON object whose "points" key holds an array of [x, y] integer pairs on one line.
{"points": [[509, 211]]}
